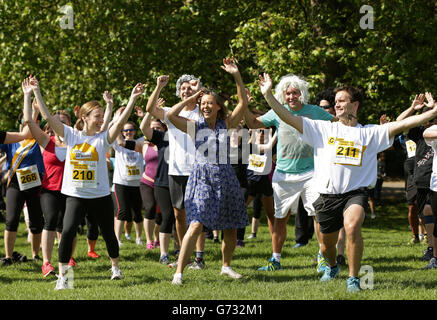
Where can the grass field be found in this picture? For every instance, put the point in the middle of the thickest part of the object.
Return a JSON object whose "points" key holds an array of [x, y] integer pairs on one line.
{"points": [[397, 270]]}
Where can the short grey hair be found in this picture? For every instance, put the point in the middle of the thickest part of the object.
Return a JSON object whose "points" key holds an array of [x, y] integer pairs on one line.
{"points": [[182, 79], [291, 80]]}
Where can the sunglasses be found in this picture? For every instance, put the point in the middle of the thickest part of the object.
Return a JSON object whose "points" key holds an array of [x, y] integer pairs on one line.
{"points": [[327, 107], [128, 130]]}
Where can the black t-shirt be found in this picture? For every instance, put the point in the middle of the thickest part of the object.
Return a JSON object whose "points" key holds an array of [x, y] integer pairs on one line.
{"points": [[240, 168], [158, 139], [423, 159]]}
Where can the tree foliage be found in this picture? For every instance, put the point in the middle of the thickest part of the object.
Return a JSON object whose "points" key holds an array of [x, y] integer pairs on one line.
{"points": [[115, 44]]}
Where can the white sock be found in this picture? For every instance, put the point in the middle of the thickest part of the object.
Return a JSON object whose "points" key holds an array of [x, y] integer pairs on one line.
{"points": [[277, 256], [225, 269], [177, 275]]}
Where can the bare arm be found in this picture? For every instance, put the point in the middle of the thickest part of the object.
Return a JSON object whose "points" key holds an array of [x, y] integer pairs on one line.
{"points": [[269, 146], [152, 106], [54, 123], [416, 105], [115, 129], [238, 113], [145, 126], [285, 115], [108, 111], [414, 121], [180, 122]]}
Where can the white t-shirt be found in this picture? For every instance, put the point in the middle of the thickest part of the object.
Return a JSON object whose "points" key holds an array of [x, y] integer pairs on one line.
{"points": [[129, 166], [181, 146], [85, 171], [433, 145], [345, 158]]}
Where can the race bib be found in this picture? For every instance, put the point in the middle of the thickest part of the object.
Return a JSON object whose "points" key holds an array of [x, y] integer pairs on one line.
{"points": [[257, 163], [133, 173], [28, 177], [348, 153], [411, 148], [84, 174]]}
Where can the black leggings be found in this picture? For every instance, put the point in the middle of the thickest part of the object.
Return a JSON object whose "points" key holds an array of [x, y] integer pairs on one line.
{"points": [[128, 202], [149, 202], [99, 210], [53, 208], [162, 196], [14, 205]]}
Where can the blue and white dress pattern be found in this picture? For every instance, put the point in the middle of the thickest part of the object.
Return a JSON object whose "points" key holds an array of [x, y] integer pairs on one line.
{"points": [[213, 195]]}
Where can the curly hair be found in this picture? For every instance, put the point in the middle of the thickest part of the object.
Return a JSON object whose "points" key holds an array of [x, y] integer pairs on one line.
{"points": [[182, 79], [291, 80]]}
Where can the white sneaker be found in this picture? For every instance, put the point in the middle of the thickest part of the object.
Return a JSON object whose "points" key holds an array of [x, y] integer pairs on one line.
{"points": [[127, 236], [61, 283], [373, 216], [231, 273], [177, 279], [120, 243], [139, 242], [116, 273]]}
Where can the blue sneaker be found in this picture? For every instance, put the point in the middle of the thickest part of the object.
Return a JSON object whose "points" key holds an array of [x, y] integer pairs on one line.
{"points": [[353, 284], [330, 273], [273, 265], [321, 263], [298, 245]]}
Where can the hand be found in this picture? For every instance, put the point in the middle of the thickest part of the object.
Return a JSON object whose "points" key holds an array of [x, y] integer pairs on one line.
{"points": [[162, 81], [161, 102], [108, 98], [195, 85], [230, 66], [34, 84], [139, 112], [249, 95], [137, 91], [418, 102], [197, 96], [430, 100], [384, 119], [265, 83], [27, 89]]}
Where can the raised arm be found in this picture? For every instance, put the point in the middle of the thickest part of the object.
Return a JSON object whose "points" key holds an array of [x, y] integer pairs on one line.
{"points": [[54, 123], [40, 136], [173, 114], [237, 114], [147, 120], [414, 121], [108, 111], [265, 84], [152, 106], [115, 129], [417, 104]]}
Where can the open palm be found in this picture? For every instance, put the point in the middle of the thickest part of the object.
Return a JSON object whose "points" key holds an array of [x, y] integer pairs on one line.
{"points": [[230, 66], [265, 83]]}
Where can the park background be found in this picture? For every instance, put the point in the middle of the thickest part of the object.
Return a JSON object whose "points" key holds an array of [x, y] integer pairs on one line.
{"points": [[113, 45]]}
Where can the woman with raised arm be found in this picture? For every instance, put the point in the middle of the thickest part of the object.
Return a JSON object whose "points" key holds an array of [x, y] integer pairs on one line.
{"points": [[26, 170], [213, 197], [85, 182], [52, 200]]}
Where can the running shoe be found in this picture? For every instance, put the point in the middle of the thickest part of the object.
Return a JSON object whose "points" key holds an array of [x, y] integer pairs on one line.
{"points": [[432, 264], [428, 254], [197, 264], [240, 244], [273, 265], [17, 257], [72, 263], [424, 240], [61, 283], [116, 273], [47, 269], [127, 236], [252, 236], [156, 244], [37, 258], [177, 279], [298, 245], [93, 255], [216, 240], [330, 273], [414, 240], [173, 264], [353, 284], [150, 246], [139, 242], [231, 273], [373, 216], [321, 263], [164, 260]]}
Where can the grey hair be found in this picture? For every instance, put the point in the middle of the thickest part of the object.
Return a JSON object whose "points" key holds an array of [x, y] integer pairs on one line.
{"points": [[182, 79], [295, 82]]}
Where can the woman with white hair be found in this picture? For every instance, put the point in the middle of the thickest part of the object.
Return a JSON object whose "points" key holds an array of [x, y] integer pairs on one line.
{"points": [[294, 169]]}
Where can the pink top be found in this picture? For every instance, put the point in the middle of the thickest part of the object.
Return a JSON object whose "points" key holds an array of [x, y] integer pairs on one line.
{"points": [[151, 160], [54, 168]]}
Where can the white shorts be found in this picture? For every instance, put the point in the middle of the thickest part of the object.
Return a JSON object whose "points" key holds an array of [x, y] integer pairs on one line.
{"points": [[287, 188]]}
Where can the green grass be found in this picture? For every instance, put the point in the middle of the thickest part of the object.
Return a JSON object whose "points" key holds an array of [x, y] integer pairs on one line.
{"points": [[397, 269]]}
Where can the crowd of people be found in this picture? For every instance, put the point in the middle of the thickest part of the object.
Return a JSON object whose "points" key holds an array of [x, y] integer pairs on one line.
{"points": [[197, 167]]}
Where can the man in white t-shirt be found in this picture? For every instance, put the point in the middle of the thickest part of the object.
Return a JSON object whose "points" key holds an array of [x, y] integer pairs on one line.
{"points": [[181, 154], [344, 165]]}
